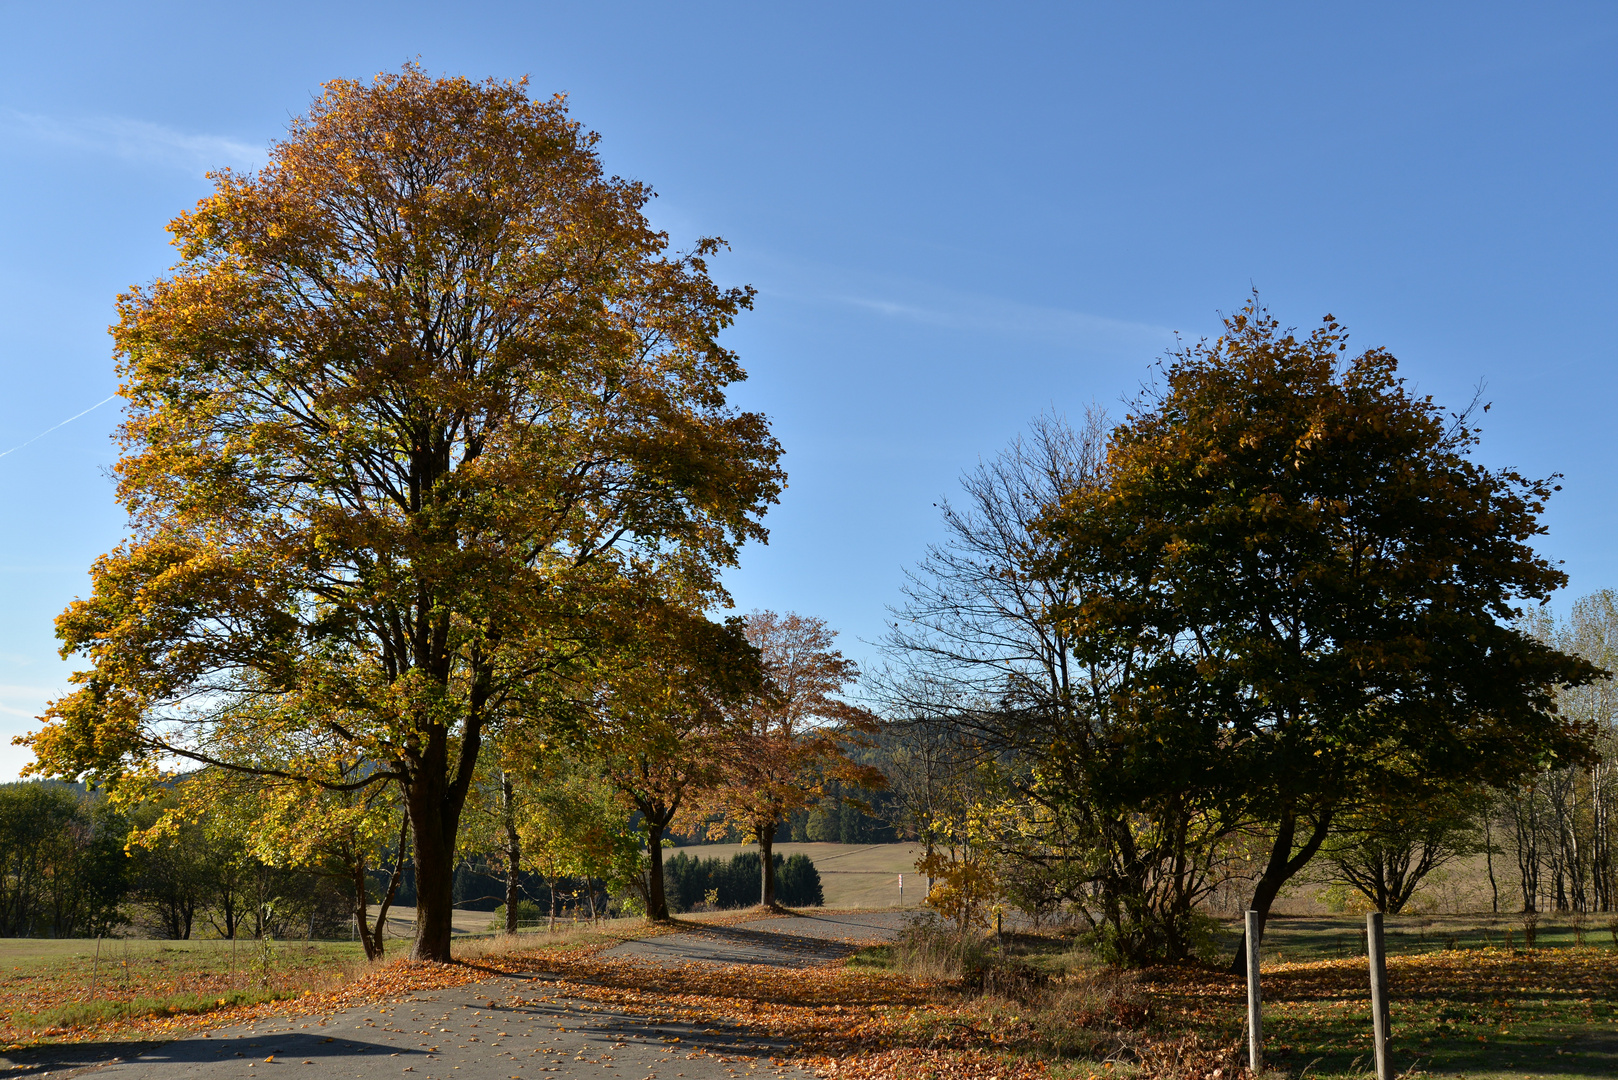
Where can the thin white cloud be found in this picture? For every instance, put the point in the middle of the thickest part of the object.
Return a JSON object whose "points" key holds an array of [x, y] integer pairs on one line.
{"points": [[1001, 316], [927, 303], [131, 140], [35, 693]]}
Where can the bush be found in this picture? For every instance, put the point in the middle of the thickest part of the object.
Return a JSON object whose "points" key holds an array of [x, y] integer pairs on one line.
{"points": [[929, 948], [528, 914]]}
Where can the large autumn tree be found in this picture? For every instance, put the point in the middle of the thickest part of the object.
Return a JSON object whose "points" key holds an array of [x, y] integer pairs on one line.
{"points": [[414, 392], [1324, 582]]}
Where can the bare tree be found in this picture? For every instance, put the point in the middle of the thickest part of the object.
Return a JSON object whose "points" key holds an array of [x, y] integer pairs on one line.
{"points": [[980, 648]]}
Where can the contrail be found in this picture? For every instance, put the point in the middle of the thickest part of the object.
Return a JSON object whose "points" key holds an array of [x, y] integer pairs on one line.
{"points": [[69, 420]]}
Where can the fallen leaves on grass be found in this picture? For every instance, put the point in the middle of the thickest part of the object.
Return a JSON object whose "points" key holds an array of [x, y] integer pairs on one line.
{"points": [[163, 996]]}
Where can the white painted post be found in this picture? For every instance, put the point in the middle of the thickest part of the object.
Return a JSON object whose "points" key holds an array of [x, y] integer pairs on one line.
{"points": [[1375, 947], [901, 890], [1255, 1019]]}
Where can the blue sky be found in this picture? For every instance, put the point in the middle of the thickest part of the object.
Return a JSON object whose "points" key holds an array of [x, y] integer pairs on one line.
{"points": [[956, 216]]}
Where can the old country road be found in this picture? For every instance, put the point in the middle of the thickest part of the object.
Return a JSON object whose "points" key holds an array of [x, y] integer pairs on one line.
{"points": [[524, 1025]]}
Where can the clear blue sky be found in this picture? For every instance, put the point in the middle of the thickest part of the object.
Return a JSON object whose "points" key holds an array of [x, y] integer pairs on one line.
{"points": [[956, 216]]}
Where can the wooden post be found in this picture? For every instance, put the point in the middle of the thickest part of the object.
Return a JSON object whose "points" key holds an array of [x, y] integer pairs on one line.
{"points": [[1255, 1020], [1379, 994]]}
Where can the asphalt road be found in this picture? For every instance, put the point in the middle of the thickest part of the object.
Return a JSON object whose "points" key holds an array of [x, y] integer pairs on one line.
{"points": [[503, 1028]]}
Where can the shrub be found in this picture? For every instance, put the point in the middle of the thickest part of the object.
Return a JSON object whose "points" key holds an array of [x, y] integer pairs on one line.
{"points": [[528, 914]]}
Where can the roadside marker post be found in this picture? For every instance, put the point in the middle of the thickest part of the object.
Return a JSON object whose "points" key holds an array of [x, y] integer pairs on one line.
{"points": [[1376, 950], [1255, 1019]]}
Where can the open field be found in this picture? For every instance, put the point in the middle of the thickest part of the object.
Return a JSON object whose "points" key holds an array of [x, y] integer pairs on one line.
{"points": [[851, 875], [1472, 1012], [402, 922]]}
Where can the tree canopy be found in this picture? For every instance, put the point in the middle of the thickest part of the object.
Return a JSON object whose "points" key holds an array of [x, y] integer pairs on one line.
{"points": [[415, 393], [1328, 582]]}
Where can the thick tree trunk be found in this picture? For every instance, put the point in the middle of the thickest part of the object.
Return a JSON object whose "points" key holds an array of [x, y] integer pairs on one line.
{"points": [[766, 856], [435, 894], [657, 905], [1282, 865], [434, 798], [513, 853], [435, 866]]}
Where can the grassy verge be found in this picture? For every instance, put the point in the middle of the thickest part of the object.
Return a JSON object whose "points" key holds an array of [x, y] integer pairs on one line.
{"points": [[67, 990], [73, 986]]}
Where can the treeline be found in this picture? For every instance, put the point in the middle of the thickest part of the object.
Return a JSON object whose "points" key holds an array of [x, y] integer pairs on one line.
{"points": [[1558, 825], [733, 883], [68, 868], [845, 814], [63, 872]]}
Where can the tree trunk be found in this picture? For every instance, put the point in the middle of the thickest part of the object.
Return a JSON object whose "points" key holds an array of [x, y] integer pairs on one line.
{"points": [[362, 911], [1525, 837], [374, 936], [657, 905], [435, 872], [766, 855], [513, 852], [1600, 852], [434, 798], [1488, 855], [1282, 865]]}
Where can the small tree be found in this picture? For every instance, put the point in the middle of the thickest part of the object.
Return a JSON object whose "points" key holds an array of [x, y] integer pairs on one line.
{"points": [[991, 662], [792, 744], [259, 832], [662, 722], [1386, 848]]}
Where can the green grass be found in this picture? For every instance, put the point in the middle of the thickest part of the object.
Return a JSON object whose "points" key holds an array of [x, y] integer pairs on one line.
{"points": [[1324, 937], [90, 1013], [46, 985]]}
